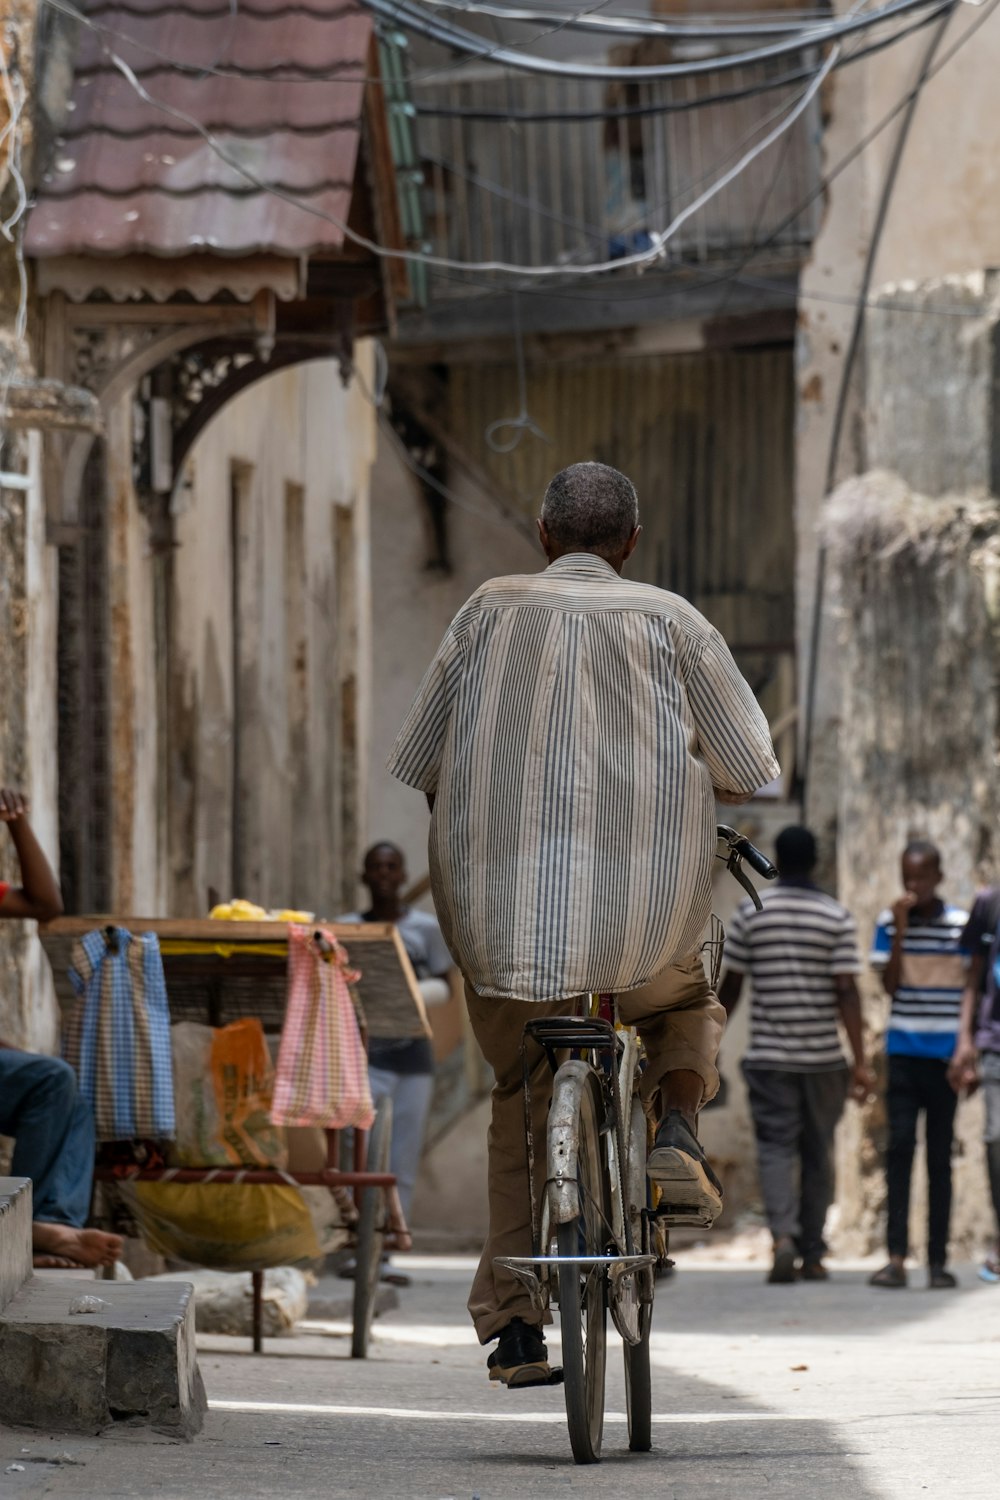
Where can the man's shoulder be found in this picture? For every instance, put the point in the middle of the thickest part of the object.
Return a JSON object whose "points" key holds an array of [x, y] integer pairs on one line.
{"points": [[797, 901], [613, 591]]}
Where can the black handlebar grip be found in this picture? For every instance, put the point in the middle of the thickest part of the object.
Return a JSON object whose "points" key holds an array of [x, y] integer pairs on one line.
{"points": [[757, 861]]}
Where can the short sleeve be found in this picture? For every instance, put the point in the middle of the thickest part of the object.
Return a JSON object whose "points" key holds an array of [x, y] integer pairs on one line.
{"points": [[737, 949], [845, 958], [881, 948], [415, 758], [733, 738]]}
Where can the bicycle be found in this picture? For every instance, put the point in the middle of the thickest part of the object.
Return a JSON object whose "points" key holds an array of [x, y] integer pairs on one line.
{"points": [[602, 1230]]}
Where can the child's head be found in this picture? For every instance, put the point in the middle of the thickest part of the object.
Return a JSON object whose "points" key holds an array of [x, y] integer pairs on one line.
{"points": [[921, 868]]}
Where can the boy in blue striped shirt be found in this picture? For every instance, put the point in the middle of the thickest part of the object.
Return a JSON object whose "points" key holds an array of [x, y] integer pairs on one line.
{"points": [[917, 949]]}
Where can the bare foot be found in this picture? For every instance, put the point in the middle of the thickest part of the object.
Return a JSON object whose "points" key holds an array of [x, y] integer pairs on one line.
{"points": [[55, 1263], [85, 1247]]}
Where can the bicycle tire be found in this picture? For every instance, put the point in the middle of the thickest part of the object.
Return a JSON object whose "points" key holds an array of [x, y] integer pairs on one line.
{"points": [[638, 1376], [370, 1232], [583, 1297]]}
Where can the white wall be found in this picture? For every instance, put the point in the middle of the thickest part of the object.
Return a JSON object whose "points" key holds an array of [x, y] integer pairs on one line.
{"points": [[411, 609]]}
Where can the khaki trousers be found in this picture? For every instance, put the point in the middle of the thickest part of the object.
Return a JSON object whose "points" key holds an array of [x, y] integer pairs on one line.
{"points": [[680, 1022]]}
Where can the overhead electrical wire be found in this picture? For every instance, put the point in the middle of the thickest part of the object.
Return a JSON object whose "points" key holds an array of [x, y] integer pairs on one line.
{"points": [[425, 107], [409, 14], [631, 25]]}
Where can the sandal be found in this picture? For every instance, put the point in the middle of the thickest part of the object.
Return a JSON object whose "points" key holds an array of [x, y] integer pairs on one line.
{"points": [[990, 1270], [814, 1270], [890, 1275], [939, 1279]]}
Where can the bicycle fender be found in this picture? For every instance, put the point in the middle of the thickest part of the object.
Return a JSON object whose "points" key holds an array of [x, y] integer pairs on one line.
{"points": [[563, 1143]]}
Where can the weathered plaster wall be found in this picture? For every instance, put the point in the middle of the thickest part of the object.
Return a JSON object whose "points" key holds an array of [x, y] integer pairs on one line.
{"points": [[27, 578], [27, 729], [295, 452], [943, 217], [915, 584]]}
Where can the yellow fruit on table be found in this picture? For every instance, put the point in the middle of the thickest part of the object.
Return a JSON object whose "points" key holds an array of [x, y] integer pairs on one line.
{"points": [[301, 918], [238, 911]]}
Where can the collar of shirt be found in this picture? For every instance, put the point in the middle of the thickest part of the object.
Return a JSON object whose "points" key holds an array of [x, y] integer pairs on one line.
{"points": [[583, 564], [799, 882]]}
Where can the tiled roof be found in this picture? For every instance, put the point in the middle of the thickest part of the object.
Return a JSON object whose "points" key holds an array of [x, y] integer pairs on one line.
{"points": [[283, 98]]}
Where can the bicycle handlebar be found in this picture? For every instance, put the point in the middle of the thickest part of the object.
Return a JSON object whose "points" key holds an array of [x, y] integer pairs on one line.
{"points": [[739, 845]]}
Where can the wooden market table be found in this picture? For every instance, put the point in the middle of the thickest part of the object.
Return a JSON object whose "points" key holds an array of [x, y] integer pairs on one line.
{"points": [[219, 971]]}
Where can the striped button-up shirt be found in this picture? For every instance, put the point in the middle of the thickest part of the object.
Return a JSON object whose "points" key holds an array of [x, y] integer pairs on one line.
{"points": [[572, 726]]}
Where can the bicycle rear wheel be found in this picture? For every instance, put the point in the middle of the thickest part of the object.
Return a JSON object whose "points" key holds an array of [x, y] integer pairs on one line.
{"points": [[583, 1297]]}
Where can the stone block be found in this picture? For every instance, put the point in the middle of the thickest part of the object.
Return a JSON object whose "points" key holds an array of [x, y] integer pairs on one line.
{"points": [[132, 1362], [15, 1236]]}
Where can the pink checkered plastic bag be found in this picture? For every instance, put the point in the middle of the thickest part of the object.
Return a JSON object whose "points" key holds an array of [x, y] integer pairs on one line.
{"points": [[322, 1072]]}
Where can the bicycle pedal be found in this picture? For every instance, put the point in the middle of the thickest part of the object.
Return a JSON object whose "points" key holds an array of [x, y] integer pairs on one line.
{"points": [[682, 1215]]}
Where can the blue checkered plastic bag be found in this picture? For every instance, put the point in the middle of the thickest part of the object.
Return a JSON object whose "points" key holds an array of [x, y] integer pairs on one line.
{"points": [[121, 1036]]}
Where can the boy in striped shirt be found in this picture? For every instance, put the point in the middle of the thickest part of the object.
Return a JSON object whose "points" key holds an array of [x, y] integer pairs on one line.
{"points": [[917, 949]]}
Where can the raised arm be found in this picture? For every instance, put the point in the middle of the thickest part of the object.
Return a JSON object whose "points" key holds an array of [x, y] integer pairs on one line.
{"points": [[38, 896]]}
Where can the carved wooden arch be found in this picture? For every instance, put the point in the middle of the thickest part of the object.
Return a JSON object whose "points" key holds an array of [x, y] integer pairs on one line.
{"points": [[108, 348], [220, 369]]}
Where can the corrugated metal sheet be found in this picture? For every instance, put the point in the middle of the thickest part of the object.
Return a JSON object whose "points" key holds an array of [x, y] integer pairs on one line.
{"points": [[707, 439], [130, 177]]}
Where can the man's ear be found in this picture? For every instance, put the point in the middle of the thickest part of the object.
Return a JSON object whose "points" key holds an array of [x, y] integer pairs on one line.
{"points": [[543, 537], [630, 544]]}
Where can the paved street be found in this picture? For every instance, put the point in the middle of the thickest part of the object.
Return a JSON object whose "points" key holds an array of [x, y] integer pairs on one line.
{"points": [[784, 1392]]}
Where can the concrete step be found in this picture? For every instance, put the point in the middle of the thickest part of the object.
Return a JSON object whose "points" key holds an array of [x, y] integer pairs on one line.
{"points": [[129, 1362], [15, 1236]]}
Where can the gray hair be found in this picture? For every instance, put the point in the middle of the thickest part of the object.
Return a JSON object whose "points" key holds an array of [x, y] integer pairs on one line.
{"points": [[591, 506]]}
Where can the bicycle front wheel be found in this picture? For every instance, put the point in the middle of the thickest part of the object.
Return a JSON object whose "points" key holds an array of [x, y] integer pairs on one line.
{"points": [[583, 1289], [638, 1382]]}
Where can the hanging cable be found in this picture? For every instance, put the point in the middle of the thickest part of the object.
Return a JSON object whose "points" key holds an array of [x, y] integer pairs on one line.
{"points": [[523, 423], [409, 15], [843, 393]]}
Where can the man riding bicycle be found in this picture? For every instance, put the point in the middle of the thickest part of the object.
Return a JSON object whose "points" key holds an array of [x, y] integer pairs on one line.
{"points": [[572, 734]]}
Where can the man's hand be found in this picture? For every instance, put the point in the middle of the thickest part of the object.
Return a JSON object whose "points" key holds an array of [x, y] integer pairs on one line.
{"points": [[731, 799], [963, 1070], [901, 911], [862, 1083], [13, 805]]}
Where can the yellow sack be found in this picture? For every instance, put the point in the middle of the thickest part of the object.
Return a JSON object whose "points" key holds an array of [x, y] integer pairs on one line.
{"points": [[226, 1226]]}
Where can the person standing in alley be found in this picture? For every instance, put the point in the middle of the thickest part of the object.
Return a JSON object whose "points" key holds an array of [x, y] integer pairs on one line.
{"points": [[918, 952], [800, 952], [402, 1068]]}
